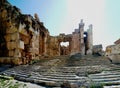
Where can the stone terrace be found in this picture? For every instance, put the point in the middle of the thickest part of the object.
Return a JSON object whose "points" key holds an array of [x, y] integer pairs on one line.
{"points": [[87, 71]]}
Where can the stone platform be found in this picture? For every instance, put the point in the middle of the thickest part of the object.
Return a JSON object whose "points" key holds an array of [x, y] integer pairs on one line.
{"points": [[87, 71]]}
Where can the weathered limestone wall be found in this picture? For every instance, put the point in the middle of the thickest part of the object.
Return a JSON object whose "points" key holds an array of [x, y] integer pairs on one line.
{"points": [[9, 36], [43, 40], [20, 35], [113, 52], [53, 46], [23, 37], [113, 49], [75, 43]]}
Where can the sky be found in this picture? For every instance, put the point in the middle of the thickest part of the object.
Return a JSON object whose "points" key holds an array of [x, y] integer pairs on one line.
{"points": [[63, 16]]}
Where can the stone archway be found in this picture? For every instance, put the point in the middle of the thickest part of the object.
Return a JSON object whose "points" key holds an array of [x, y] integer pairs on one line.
{"points": [[65, 44], [64, 48]]}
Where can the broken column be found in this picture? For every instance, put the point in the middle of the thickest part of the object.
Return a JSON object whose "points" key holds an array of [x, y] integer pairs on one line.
{"points": [[82, 45], [89, 40]]}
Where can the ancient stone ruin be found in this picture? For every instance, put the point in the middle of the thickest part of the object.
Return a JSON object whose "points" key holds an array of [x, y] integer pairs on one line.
{"points": [[23, 37], [98, 50], [80, 41], [113, 52]]}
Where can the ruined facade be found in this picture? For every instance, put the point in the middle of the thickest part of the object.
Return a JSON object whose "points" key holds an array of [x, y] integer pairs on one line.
{"points": [[23, 37], [80, 41], [113, 52]]}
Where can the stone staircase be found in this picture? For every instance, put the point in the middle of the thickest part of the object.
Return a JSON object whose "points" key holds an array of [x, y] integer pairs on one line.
{"points": [[54, 72], [47, 78], [108, 77]]}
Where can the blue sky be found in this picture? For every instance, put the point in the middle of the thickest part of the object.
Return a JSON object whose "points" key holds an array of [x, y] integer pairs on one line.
{"points": [[63, 16]]}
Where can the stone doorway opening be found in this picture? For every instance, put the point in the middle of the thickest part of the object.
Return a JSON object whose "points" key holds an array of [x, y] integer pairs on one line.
{"points": [[86, 42], [64, 48]]}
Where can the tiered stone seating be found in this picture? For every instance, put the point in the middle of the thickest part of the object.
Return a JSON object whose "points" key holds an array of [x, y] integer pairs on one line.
{"points": [[54, 75], [109, 77]]}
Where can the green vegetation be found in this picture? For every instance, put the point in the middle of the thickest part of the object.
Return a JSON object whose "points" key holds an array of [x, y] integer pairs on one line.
{"points": [[8, 82], [97, 85]]}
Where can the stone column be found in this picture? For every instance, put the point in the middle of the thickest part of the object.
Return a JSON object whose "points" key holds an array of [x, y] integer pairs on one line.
{"points": [[70, 46], [81, 37], [90, 40], [45, 48]]}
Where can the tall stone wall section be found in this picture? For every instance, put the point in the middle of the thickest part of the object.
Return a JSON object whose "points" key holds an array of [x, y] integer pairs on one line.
{"points": [[75, 43], [9, 36], [82, 42], [53, 46], [20, 35]]}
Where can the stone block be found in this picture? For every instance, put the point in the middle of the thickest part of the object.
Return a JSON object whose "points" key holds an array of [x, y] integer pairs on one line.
{"points": [[12, 29], [1, 60], [24, 38], [35, 50], [11, 53], [17, 61], [17, 53], [11, 45], [22, 30], [11, 60], [14, 53], [21, 45], [4, 13], [115, 58], [11, 37]]}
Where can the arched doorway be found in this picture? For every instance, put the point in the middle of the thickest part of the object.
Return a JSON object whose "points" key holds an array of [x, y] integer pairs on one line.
{"points": [[64, 48]]}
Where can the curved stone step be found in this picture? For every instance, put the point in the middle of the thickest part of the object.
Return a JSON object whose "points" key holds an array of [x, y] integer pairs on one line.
{"points": [[117, 82], [58, 75], [105, 76], [106, 79]]}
